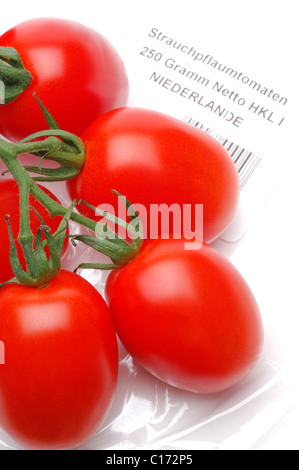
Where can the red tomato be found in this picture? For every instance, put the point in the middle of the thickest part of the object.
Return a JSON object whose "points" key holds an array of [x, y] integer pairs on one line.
{"points": [[77, 74], [61, 362], [188, 317], [154, 159], [10, 204]]}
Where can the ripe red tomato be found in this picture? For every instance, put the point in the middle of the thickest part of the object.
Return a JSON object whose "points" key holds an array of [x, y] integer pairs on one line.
{"points": [[77, 74], [154, 159], [188, 317], [61, 362], [10, 204]]}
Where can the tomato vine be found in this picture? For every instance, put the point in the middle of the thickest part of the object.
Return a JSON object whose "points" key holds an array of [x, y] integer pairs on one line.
{"points": [[68, 151]]}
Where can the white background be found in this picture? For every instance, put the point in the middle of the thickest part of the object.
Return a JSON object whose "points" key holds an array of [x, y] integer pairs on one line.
{"points": [[262, 36]]}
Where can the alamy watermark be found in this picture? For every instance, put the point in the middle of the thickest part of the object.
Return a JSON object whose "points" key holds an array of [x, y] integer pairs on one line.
{"points": [[2, 92], [180, 222], [2, 353]]}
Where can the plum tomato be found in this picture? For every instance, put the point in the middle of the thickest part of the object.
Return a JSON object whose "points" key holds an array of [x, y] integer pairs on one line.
{"points": [[157, 161], [187, 317], [61, 363], [76, 73]]}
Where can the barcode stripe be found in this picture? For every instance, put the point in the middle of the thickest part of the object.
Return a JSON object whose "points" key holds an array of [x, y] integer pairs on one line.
{"points": [[240, 155], [249, 172], [246, 161]]}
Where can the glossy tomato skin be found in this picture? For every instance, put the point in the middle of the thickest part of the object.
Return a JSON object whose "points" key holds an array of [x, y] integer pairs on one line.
{"points": [[188, 317], [10, 205], [152, 158], [61, 363], [77, 74]]}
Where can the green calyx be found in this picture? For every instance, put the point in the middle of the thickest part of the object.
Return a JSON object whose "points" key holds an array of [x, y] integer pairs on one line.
{"points": [[60, 146], [13, 75], [108, 243], [40, 269], [54, 144]]}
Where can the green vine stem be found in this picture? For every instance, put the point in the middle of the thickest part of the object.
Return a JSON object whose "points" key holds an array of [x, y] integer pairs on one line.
{"points": [[9, 153], [118, 250]]}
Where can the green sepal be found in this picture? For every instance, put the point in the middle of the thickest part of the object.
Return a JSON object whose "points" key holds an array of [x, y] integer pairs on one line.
{"points": [[21, 276], [60, 233], [119, 253], [45, 269], [53, 264], [14, 280], [57, 174], [40, 254], [47, 115], [101, 266], [13, 74], [134, 217]]}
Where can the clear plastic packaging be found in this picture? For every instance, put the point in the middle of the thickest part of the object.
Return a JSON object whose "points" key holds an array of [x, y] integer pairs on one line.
{"points": [[146, 413]]}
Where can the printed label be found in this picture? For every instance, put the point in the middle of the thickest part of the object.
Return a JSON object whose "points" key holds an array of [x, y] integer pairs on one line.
{"points": [[248, 115], [211, 86]]}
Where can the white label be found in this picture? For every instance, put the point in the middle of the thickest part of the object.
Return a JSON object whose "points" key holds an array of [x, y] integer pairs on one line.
{"points": [[241, 108]]}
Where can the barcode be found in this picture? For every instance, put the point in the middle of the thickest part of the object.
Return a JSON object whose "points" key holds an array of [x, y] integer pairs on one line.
{"points": [[246, 161]]}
